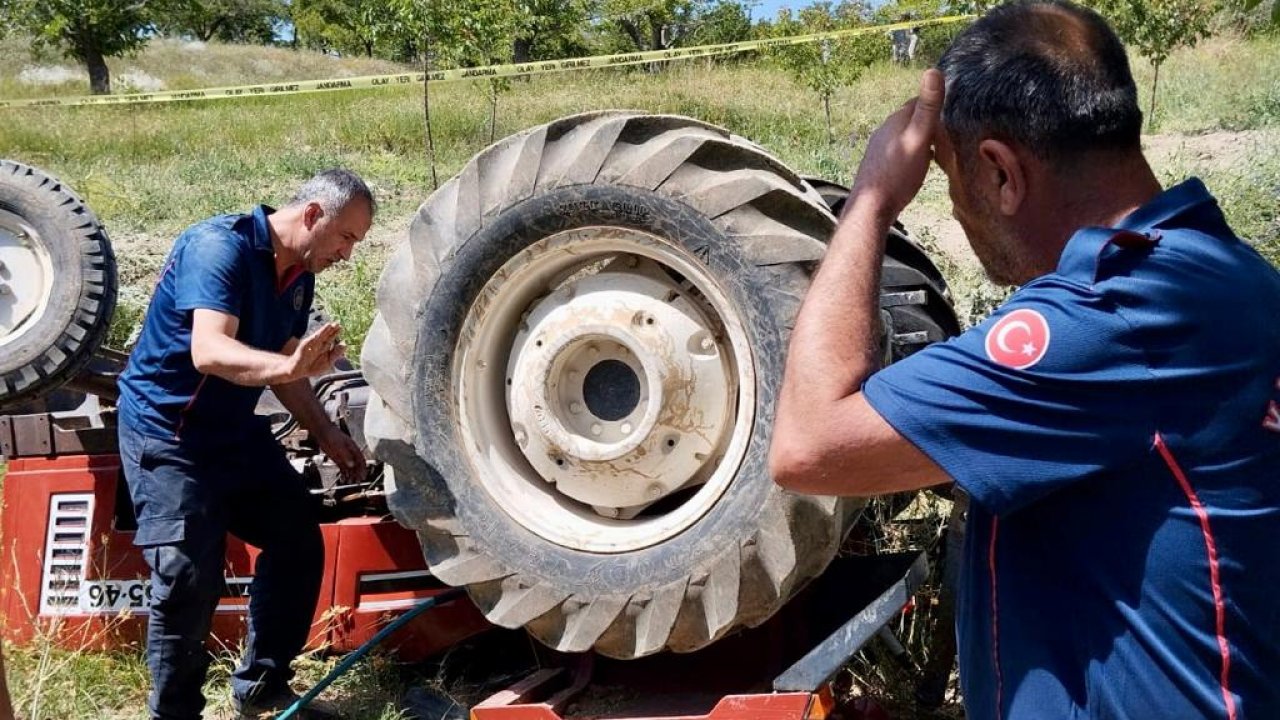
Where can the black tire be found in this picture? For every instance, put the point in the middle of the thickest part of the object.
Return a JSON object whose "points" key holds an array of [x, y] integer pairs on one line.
{"points": [[752, 227], [47, 226]]}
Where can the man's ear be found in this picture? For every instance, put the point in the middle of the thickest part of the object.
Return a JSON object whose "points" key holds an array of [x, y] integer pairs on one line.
{"points": [[1005, 173], [311, 214]]}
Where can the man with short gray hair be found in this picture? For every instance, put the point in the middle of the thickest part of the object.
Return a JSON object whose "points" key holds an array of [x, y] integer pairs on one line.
{"points": [[229, 317], [1115, 424]]}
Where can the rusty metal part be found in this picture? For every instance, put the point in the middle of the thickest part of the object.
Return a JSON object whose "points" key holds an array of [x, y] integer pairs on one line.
{"points": [[47, 435]]}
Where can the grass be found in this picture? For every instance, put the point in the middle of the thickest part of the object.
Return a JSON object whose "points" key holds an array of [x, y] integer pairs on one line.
{"points": [[53, 682], [149, 171]]}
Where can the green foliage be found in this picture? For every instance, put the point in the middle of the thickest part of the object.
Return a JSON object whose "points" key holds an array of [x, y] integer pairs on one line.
{"points": [[550, 29], [934, 39], [1155, 28], [227, 20], [725, 22], [87, 30], [828, 65], [647, 24], [1250, 5], [343, 292], [348, 26]]}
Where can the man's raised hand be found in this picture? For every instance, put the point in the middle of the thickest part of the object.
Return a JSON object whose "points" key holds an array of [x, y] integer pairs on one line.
{"points": [[317, 352], [900, 150]]}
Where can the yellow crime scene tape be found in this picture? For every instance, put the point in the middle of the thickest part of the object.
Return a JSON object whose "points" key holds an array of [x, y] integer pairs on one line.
{"points": [[487, 72]]}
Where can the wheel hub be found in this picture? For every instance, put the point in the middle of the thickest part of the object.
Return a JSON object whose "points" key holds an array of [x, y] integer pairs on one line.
{"points": [[26, 277], [605, 389], [618, 394]]}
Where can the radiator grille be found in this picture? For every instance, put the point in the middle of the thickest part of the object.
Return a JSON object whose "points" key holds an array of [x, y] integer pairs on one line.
{"points": [[66, 553]]}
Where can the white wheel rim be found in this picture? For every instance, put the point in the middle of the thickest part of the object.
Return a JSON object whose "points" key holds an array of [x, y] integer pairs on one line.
{"points": [[583, 462], [26, 277]]}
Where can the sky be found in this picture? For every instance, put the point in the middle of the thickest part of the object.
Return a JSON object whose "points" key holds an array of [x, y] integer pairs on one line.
{"points": [[769, 8]]}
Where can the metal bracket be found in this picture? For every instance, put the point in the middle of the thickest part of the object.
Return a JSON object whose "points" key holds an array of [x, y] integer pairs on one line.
{"points": [[808, 674]]}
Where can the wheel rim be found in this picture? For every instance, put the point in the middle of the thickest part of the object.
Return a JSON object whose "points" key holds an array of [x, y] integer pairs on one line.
{"points": [[606, 389], [26, 277]]}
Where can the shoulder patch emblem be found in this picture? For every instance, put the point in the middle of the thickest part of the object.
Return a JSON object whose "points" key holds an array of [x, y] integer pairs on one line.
{"points": [[1018, 340], [298, 295]]}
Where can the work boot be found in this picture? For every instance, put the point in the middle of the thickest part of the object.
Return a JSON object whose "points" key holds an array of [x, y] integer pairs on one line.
{"points": [[272, 705]]}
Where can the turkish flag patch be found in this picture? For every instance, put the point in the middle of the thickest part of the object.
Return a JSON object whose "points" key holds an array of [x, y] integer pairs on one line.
{"points": [[1018, 340]]}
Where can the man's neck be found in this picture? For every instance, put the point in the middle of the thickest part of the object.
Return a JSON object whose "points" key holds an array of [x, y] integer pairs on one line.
{"points": [[1099, 194]]}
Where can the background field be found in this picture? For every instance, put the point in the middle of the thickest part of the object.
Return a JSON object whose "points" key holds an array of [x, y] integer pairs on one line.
{"points": [[149, 171]]}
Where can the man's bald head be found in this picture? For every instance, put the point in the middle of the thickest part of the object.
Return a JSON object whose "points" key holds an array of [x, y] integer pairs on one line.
{"points": [[1046, 74]]}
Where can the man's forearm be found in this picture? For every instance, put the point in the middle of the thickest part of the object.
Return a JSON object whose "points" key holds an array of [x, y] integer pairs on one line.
{"points": [[835, 343], [300, 400], [236, 362]]}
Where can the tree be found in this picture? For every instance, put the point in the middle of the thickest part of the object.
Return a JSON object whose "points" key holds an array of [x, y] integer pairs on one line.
{"points": [[548, 29], [483, 32], [1155, 28], [1275, 9], [88, 30], [727, 21], [227, 20], [827, 65], [650, 24], [349, 26], [933, 39]]}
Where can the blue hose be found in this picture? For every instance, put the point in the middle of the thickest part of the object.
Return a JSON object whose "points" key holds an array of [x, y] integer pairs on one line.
{"points": [[364, 649]]}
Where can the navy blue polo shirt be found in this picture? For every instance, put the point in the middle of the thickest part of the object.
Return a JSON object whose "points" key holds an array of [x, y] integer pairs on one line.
{"points": [[226, 263], [1117, 426]]}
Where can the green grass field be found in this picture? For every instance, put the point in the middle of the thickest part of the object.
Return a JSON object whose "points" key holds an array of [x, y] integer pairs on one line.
{"points": [[149, 171]]}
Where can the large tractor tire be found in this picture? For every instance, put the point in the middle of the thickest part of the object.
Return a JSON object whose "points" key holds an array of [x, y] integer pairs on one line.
{"points": [[57, 283], [575, 366]]}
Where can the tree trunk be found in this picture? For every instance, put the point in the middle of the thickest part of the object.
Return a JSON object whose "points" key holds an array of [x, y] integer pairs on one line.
{"points": [[1155, 83], [522, 50], [426, 108], [655, 31], [206, 34], [826, 104], [493, 110], [99, 74], [633, 32]]}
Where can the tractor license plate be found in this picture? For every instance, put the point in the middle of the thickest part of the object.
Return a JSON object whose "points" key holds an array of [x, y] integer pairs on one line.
{"points": [[112, 596]]}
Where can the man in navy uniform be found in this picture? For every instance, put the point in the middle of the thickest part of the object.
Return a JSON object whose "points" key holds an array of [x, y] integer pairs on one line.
{"points": [[1116, 423], [228, 318]]}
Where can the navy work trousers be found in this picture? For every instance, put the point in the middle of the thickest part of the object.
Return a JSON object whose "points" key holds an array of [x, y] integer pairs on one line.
{"points": [[187, 498]]}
